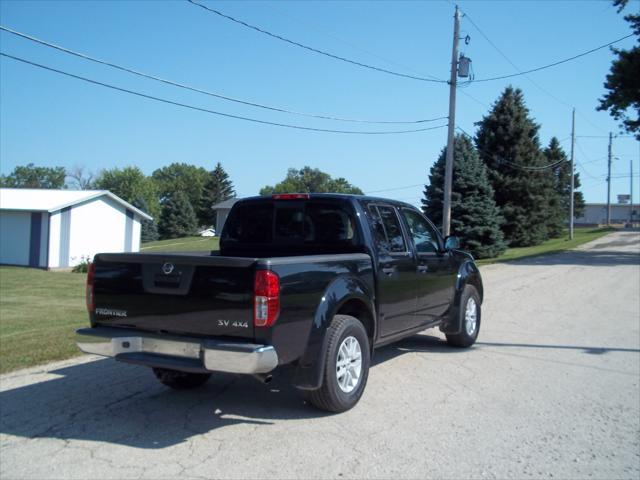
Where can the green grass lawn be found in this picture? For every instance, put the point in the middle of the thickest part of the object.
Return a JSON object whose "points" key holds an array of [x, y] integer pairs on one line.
{"points": [[186, 244], [40, 310], [580, 236]]}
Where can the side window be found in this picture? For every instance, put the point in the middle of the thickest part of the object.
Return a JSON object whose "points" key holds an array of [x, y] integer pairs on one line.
{"points": [[424, 236], [378, 229], [387, 228]]}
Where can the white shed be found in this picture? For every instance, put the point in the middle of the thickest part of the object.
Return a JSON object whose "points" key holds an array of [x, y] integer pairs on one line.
{"points": [[222, 210], [59, 228]]}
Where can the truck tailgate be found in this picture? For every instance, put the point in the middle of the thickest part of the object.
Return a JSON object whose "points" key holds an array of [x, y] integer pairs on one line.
{"points": [[203, 295]]}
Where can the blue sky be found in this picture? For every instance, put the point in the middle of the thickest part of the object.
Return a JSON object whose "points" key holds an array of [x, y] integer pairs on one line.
{"points": [[52, 120]]}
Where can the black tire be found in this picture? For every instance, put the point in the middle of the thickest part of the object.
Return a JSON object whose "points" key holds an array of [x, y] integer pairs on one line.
{"points": [[465, 338], [330, 396], [180, 380]]}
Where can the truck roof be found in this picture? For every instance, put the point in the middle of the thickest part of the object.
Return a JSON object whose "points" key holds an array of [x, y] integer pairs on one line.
{"points": [[336, 196]]}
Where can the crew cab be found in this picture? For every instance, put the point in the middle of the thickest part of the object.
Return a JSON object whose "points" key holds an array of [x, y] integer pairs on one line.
{"points": [[313, 281]]}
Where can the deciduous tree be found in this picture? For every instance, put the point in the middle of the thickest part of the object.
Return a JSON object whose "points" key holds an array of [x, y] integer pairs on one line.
{"points": [[310, 180], [129, 183], [180, 177], [30, 176]]}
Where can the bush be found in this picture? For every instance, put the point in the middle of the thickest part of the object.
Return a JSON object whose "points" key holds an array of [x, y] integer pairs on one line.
{"points": [[83, 266]]}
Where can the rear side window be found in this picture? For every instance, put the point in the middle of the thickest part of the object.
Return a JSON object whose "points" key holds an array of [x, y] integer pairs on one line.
{"points": [[250, 223], [386, 228]]}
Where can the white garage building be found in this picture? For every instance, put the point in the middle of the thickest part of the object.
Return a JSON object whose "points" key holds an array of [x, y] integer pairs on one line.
{"points": [[58, 228]]}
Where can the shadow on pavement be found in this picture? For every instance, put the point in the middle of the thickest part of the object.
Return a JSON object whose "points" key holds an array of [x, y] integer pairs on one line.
{"points": [[108, 401], [417, 343], [591, 258], [589, 350]]}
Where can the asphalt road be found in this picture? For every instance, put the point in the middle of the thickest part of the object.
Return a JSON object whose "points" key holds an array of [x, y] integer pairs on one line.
{"points": [[551, 389]]}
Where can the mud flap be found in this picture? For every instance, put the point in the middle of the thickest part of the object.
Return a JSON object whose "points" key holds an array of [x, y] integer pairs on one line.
{"points": [[452, 325]]}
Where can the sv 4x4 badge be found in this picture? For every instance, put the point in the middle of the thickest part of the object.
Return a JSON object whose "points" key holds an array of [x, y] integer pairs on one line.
{"points": [[229, 323]]}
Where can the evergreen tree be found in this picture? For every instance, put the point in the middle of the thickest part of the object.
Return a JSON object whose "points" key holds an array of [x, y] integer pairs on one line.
{"points": [[474, 215], [562, 176], [148, 228], [217, 188], [177, 218], [508, 144]]}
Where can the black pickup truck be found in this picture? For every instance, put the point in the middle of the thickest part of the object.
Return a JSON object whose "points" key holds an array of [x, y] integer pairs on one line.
{"points": [[314, 281]]}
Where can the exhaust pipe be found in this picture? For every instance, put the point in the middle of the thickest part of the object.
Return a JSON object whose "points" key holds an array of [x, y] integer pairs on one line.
{"points": [[263, 377]]}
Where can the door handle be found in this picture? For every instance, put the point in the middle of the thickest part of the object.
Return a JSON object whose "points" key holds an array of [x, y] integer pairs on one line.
{"points": [[388, 270], [423, 268]]}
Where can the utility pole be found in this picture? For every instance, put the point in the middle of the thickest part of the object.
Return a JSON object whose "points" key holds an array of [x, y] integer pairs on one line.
{"points": [[573, 141], [631, 193], [609, 183], [448, 171]]}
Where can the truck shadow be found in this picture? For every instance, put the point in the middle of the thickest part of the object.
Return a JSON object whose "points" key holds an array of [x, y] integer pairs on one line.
{"points": [[422, 342], [108, 401]]}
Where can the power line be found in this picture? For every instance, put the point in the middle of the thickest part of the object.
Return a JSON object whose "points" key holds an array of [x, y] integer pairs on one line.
{"points": [[586, 172], [396, 188], [315, 50], [198, 90], [228, 115], [604, 136], [553, 64], [332, 35], [534, 83]]}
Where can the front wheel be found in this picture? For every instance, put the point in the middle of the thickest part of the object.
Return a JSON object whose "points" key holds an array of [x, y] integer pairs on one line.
{"points": [[470, 313], [180, 380], [346, 366]]}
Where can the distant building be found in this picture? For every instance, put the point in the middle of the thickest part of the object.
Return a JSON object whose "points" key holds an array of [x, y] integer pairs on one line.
{"points": [[596, 213], [222, 210], [59, 228]]}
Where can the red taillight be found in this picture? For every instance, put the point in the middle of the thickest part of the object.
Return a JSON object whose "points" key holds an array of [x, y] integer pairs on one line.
{"points": [[91, 306], [290, 196], [266, 298]]}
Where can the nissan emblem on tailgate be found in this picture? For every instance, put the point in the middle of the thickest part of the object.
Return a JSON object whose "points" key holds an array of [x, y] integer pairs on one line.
{"points": [[167, 268]]}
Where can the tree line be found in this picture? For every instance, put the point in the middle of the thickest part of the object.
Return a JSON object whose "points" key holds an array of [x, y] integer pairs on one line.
{"points": [[179, 196], [507, 190]]}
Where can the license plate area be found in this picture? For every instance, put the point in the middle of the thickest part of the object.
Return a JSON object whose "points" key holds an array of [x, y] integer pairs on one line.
{"points": [[167, 278]]}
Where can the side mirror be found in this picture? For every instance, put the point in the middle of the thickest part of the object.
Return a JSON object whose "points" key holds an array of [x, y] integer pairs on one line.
{"points": [[451, 242]]}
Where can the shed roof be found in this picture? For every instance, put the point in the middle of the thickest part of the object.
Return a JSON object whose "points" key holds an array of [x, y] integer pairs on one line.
{"points": [[48, 200]]}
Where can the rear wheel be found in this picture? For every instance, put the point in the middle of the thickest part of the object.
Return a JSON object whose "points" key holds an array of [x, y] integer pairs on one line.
{"points": [[346, 366], [469, 311], [180, 380]]}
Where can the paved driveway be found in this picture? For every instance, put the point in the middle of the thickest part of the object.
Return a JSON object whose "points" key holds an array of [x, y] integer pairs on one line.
{"points": [[551, 389]]}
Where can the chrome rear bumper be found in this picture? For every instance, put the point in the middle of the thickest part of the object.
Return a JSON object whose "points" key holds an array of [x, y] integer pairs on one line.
{"points": [[180, 353]]}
